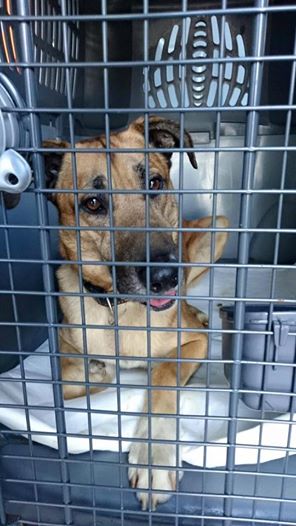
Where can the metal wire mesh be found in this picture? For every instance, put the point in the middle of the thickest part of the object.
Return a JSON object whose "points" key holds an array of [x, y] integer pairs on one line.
{"points": [[119, 60]]}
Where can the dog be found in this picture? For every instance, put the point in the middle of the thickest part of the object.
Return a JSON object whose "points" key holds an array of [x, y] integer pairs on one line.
{"points": [[127, 173]]}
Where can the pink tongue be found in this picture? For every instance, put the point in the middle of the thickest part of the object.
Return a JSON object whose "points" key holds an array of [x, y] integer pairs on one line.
{"points": [[160, 302]]}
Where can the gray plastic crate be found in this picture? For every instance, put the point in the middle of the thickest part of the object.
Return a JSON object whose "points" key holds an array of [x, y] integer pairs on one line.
{"points": [[279, 348]]}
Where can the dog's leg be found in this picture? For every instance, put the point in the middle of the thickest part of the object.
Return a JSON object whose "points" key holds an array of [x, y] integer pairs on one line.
{"points": [[74, 370], [162, 428], [197, 245]]}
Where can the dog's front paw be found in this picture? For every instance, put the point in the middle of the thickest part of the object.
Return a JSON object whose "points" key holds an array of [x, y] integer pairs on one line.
{"points": [[161, 456], [203, 319], [96, 367]]}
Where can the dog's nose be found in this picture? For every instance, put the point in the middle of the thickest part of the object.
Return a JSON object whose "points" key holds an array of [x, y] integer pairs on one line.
{"points": [[162, 277]]}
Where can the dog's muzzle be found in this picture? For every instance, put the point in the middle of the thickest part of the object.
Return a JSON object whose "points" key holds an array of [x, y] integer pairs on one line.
{"points": [[162, 280]]}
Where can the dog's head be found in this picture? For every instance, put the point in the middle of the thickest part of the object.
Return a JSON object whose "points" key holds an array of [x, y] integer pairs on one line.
{"points": [[124, 173]]}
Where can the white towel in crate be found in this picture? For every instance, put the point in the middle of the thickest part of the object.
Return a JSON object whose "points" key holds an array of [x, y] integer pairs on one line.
{"points": [[272, 437]]}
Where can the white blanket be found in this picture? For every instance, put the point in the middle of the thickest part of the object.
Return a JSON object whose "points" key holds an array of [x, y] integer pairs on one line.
{"points": [[192, 403]]}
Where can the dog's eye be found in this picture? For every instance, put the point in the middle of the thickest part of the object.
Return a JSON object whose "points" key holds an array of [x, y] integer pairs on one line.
{"points": [[94, 205], [156, 183]]}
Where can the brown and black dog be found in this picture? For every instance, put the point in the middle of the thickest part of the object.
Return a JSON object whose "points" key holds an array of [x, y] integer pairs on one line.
{"points": [[128, 210]]}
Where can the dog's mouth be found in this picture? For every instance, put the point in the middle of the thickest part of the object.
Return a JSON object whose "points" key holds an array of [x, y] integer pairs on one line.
{"points": [[159, 304]]}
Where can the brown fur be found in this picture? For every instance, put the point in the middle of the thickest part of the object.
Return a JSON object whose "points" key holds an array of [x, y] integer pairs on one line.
{"points": [[128, 211]]}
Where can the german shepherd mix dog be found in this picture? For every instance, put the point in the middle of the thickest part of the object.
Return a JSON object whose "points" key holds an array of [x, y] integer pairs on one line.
{"points": [[128, 210]]}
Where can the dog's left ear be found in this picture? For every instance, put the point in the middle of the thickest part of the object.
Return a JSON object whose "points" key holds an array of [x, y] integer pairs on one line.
{"points": [[164, 133]]}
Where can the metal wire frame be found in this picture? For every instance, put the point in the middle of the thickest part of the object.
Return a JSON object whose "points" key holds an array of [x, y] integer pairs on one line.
{"points": [[157, 329], [137, 110], [19, 348], [252, 125], [257, 60], [136, 516], [256, 9], [129, 490], [275, 261], [31, 97], [112, 243], [147, 242], [214, 213], [140, 515]]}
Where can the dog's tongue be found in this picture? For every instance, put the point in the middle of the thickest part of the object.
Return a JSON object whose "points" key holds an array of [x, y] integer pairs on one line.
{"points": [[155, 302]]}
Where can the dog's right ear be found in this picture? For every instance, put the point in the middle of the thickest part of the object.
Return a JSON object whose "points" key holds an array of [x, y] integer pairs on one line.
{"points": [[52, 162], [165, 133]]}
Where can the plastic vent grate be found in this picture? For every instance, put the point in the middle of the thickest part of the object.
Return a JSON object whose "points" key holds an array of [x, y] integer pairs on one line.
{"points": [[49, 45], [48, 42], [8, 40], [202, 39]]}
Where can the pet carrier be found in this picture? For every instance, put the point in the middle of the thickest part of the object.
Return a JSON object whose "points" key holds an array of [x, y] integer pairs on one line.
{"points": [[225, 72]]}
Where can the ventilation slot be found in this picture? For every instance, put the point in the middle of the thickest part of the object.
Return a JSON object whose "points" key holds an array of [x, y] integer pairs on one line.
{"points": [[199, 39], [198, 78]]}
